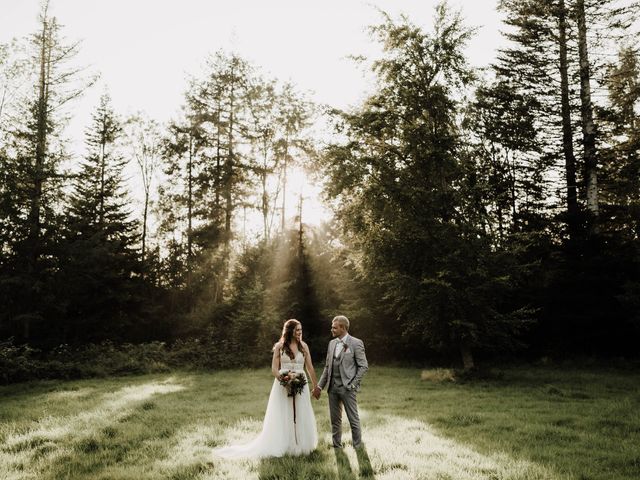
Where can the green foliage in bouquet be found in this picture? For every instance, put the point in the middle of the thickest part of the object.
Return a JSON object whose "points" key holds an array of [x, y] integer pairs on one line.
{"points": [[293, 382]]}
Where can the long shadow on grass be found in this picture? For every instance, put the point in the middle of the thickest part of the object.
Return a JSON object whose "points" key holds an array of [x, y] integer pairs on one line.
{"points": [[344, 467], [364, 463], [316, 465]]}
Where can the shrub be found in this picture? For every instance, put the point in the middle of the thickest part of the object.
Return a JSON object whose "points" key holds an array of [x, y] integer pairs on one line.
{"points": [[21, 362], [438, 375], [16, 362]]}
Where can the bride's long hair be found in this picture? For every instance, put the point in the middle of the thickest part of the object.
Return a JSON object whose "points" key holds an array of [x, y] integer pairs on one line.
{"points": [[288, 330]]}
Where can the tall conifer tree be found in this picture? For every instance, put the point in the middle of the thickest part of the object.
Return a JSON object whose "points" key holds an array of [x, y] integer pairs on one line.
{"points": [[101, 266]]}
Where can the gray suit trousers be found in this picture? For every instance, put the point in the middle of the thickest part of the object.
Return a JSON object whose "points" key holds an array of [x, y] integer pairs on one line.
{"points": [[339, 397]]}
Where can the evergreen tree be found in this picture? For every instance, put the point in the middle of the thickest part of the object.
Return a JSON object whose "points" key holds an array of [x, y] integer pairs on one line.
{"points": [[555, 58], [404, 184], [540, 64], [501, 121], [182, 204], [263, 103], [291, 289], [145, 140], [101, 270], [218, 103], [621, 149], [36, 150]]}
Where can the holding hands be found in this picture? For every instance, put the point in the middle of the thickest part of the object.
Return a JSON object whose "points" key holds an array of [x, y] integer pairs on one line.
{"points": [[316, 392]]}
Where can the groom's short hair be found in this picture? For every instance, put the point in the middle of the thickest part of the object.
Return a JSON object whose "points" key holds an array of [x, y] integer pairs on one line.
{"points": [[344, 321]]}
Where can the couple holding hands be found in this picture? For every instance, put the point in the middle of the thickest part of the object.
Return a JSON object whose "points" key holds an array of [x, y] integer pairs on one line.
{"points": [[289, 425]]}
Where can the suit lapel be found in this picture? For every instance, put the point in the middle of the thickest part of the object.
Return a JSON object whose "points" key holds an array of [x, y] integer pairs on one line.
{"points": [[344, 348], [332, 349], [332, 352]]}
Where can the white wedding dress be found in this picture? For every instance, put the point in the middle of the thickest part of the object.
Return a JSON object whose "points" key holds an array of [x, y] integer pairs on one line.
{"points": [[280, 435]]}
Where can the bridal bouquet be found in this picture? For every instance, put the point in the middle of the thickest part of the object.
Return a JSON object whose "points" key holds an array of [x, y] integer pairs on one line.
{"points": [[293, 382]]}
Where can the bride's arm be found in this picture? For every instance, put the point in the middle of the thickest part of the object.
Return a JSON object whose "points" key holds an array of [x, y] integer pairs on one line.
{"points": [[309, 364], [275, 361]]}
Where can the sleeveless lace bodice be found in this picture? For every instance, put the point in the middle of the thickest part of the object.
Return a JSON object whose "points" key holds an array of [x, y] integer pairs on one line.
{"points": [[297, 364]]}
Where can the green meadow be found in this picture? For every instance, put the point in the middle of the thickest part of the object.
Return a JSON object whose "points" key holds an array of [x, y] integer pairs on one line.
{"points": [[519, 423]]}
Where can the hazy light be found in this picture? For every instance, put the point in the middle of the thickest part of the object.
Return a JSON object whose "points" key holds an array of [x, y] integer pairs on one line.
{"points": [[300, 187], [146, 49], [399, 449], [305, 189]]}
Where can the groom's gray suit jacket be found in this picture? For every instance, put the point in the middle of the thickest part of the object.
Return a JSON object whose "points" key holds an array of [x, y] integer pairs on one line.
{"points": [[353, 364]]}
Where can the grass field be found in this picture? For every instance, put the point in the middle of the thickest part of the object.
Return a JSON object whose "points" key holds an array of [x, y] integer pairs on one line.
{"points": [[527, 423]]}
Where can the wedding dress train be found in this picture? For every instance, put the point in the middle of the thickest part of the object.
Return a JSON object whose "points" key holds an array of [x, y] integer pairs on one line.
{"points": [[280, 435]]}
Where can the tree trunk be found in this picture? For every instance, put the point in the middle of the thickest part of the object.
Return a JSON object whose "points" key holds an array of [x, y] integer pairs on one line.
{"points": [[144, 231], [218, 176], [300, 230], [229, 170], [284, 182], [103, 142], [265, 200], [41, 146], [190, 202], [567, 131], [511, 165], [3, 99], [586, 110], [34, 247], [189, 286]]}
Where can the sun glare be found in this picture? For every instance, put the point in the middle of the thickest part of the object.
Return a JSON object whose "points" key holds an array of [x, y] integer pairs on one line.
{"points": [[398, 449], [300, 188]]}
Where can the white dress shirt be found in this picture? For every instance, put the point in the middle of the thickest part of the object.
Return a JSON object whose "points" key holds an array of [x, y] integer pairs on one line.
{"points": [[340, 345]]}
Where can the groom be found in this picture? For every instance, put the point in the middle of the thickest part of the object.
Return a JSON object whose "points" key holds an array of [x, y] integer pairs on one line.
{"points": [[344, 368]]}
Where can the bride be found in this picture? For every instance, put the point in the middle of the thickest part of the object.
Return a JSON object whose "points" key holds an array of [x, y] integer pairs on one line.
{"points": [[289, 425]]}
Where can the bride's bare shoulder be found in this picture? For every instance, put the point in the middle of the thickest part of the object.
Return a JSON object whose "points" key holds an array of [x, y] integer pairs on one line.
{"points": [[277, 347]]}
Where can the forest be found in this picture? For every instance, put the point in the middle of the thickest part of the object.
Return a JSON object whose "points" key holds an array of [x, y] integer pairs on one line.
{"points": [[478, 215]]}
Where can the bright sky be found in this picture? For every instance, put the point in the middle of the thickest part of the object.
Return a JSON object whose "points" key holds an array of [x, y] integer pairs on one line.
{"points": [[144, 49]]}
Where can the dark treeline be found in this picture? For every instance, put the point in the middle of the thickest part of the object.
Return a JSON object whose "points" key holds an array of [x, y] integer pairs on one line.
{"points": [[80, 266], [497, 214], [476, 213]]}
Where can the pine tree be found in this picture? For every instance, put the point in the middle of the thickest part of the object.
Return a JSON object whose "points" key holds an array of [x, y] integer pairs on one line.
{"points": [[36, 149], [264, 133], [586, 111], [181, 200], [556, 57], [540, 63], [621, 150], [145, 141], [218, 103], [501, 121], [101, 268], [404, 183]]}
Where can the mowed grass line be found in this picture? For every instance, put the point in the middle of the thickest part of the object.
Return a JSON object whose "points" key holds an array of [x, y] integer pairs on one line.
{"points": [[526, 423]]}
